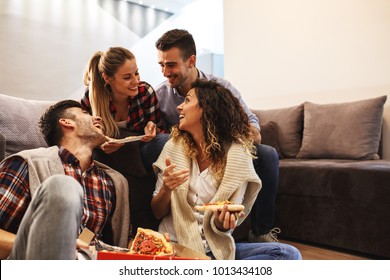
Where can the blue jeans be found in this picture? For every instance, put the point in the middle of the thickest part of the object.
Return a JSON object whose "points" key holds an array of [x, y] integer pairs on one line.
{"points": [[263, 210], [266, 251], [151, 150], [49, 228]]}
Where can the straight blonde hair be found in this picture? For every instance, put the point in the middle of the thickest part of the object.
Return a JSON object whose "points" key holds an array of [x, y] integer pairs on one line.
{"points": [[107, 62]]}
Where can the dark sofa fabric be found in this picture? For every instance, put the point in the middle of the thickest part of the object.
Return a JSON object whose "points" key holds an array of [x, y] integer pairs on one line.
{"points": [[340, 203], [343, 204]]}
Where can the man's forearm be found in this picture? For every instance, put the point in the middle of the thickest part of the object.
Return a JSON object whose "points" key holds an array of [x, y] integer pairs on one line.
{"points": [[7, 240]]}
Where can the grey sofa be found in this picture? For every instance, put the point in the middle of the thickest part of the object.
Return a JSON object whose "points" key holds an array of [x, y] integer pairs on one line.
{"points": [[333, 190]]}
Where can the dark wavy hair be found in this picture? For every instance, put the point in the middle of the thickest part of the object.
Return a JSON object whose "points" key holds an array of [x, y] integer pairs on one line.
{"points": [[49, 122], [224, 122]]}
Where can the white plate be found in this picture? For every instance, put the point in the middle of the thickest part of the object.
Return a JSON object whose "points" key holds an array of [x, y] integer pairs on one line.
{"points": [[127, 139]]}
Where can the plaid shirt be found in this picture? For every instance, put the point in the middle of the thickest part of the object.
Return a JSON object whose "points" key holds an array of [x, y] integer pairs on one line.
{"points": [[143, 108], [15, 196]]}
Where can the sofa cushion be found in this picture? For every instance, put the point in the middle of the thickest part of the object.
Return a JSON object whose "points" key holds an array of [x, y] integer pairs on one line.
{"points": [[336, 202], [19, 123], [269, 136], [289, 123], [349, 130]]}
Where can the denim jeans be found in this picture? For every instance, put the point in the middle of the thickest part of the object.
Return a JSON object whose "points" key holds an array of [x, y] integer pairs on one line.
{"points": [[49, 228], [263, 210], [151, 150], [266, 251]]}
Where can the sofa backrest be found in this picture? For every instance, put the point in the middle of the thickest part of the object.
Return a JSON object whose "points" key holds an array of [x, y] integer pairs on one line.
{"points": [[19, 123]]}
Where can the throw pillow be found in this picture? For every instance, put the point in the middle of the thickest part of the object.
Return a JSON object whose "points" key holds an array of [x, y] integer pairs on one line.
{"points": [[269, 136], [290, 124], [19, 123], [349, 130]]}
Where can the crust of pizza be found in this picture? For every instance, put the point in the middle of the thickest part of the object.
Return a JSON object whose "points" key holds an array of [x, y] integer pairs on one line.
{"points": [[150, 242], [219, 206]]}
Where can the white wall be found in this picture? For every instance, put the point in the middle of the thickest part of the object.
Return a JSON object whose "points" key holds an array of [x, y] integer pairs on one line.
{"points": [[281, 53], [45, 45], [202, 18]]}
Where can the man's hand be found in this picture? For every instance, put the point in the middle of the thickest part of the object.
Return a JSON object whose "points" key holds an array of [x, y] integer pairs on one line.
{"points": [[256, 135], [7, 240], [81, 244]]}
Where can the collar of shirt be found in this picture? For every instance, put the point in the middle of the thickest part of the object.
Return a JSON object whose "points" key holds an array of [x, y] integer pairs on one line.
{"points": [[69, 158]]}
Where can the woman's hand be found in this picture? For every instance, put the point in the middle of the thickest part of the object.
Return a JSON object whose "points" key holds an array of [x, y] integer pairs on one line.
{"points": [[225, 220], [171, 179], [109, 147], [161, 203], [150, 132]]}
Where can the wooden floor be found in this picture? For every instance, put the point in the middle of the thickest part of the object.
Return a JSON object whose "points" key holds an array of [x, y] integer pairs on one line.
{"points": [[311, 252]]}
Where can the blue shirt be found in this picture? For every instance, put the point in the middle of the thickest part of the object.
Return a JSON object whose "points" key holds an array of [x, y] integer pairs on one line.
{"points": [[169, 98]]}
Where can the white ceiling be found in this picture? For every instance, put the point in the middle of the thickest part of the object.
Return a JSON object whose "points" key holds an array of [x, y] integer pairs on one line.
{"points": [[172, 6]]}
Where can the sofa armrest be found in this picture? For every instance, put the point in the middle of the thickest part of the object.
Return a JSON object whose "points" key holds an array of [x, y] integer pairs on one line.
{"points": [[2, 147]]}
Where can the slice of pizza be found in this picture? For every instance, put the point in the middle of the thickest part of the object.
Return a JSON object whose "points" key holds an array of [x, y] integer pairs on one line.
{"points": [[150, 242], [218, 205]]}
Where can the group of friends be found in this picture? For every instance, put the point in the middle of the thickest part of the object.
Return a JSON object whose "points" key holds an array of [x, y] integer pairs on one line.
{"points": [[198, 133]]}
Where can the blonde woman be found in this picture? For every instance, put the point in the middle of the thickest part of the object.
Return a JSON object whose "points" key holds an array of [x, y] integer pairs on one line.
{"points": [[116, 93]]}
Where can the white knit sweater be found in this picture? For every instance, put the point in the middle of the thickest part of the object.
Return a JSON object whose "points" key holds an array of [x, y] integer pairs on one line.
{"points": [[239, 169]]}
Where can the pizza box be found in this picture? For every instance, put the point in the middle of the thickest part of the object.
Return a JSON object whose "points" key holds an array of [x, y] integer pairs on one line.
{"points": [[181, 253]]}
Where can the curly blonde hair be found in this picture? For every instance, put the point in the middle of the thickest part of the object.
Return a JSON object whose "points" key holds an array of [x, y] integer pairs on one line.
{"points": [[224, 122]]}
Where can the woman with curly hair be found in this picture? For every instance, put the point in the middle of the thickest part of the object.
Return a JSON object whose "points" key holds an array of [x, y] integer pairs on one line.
{"points": [[209, 159]]}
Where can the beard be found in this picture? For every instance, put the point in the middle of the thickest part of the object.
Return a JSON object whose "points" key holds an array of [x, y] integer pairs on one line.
{"points": [[90, 135], [94, 139]]}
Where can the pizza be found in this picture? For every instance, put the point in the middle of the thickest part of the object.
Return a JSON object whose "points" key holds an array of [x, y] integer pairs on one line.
{"points": [[150, 242], [231, 207]]}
